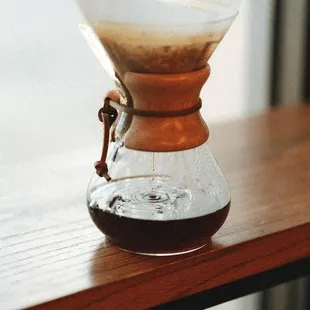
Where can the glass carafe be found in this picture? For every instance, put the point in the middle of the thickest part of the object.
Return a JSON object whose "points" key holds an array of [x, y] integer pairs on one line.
{"points": [[157, 188]]}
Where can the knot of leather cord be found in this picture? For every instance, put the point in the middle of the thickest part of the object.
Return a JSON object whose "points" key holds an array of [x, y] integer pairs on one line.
{"points": [[107, 109], [102, 170]]}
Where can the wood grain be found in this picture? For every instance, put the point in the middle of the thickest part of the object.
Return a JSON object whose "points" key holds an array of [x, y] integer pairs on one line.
{"points": [[53, 257]]}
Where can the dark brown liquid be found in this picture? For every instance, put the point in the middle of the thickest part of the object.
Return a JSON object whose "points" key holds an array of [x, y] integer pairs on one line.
{"points": [[155, 236]]}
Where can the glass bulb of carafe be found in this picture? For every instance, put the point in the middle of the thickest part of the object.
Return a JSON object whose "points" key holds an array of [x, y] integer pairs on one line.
{"points": [[159, 203]]}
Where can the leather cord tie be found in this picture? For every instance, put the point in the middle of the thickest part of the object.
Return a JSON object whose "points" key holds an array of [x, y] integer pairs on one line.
{"points": [[154, 113], [109, 113]]}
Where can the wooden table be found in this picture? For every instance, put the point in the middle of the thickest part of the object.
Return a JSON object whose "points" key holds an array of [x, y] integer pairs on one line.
{"points": [[52, 256]]}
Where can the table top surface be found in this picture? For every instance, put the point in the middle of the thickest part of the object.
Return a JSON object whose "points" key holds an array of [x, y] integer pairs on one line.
{"points": [[53, 256]]}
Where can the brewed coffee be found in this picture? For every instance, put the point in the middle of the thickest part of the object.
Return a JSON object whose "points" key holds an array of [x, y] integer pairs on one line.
{"points": [[155, 236]]}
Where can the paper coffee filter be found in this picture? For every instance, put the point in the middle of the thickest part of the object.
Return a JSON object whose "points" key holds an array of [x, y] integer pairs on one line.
{"points": [[155, 36]]}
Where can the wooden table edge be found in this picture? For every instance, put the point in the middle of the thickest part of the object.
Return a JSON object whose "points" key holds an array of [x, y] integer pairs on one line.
{"points": [[211, 269]]}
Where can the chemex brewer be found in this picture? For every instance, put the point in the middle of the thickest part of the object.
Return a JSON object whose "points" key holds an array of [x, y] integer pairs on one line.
{"points": [[157, 188]]}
